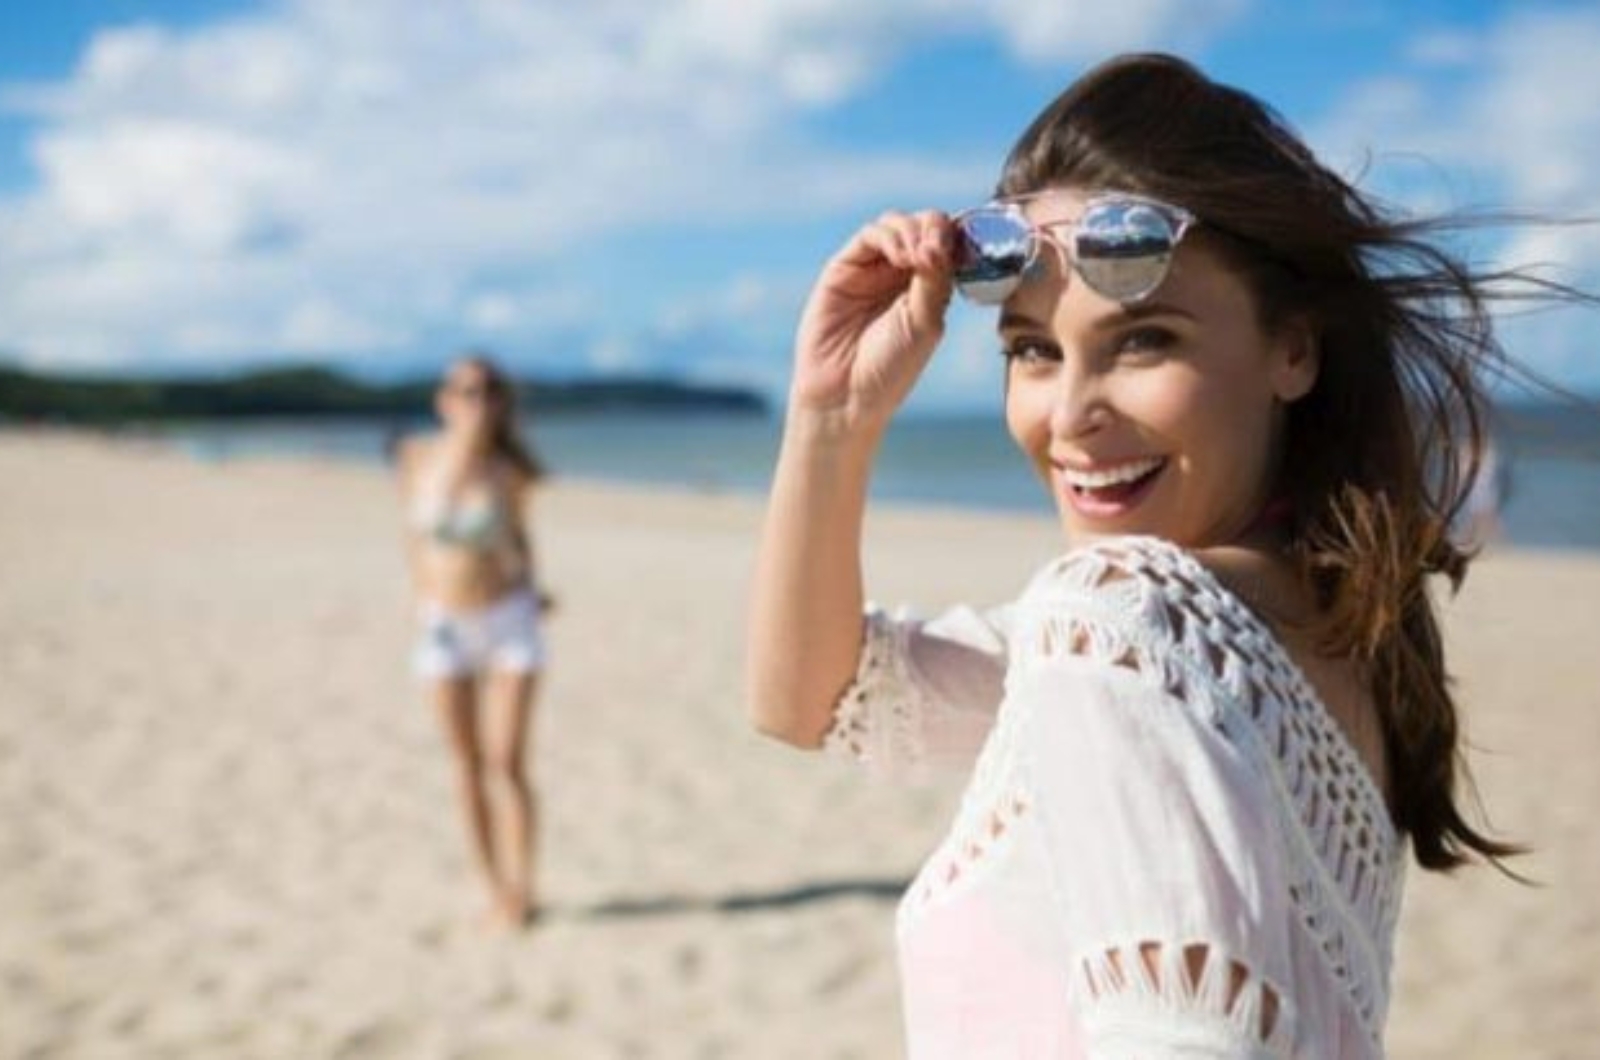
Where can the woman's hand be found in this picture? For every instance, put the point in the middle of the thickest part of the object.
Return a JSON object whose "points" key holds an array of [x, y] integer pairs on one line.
{"points": [[873, 319]]}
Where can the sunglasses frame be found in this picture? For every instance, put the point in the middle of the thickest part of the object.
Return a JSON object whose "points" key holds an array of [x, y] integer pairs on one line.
{"points": [[1178, 220], [482, 392]]}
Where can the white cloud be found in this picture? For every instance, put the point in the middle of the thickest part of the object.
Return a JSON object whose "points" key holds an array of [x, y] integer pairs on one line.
{"points": [[1045, 31], [1446, 48], [613, 354], [1525, 116], [136, 178], [331, 175], [1516, 128], [321, 326], [492, 311], [743, 301], [512, 311]]}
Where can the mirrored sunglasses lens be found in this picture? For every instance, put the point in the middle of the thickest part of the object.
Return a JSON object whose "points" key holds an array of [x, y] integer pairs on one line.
{"points": [[1123, 249], [992, 254]]}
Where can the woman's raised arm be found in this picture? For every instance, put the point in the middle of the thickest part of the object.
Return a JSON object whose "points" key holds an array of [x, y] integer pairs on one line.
{"points": [[870, 325]]}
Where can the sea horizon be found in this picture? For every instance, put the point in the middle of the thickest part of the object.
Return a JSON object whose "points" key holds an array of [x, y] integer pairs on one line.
{"points": [[964, 460]]}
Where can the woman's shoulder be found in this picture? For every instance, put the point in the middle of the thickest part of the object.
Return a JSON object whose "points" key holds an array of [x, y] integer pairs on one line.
{"points": [[1145, 590], [1192, 619], [414, 460], [1116, 567], [415, 448]]}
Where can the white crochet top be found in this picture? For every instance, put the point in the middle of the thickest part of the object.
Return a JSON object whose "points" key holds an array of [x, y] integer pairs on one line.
{"points": [[1167, 846]]}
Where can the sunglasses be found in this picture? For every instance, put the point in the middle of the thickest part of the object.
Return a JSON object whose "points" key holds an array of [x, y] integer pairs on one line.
{"points": [[1121, 245], [470, 391]]}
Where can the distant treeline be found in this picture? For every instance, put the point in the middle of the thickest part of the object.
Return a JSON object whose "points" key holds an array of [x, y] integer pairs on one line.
{"points": [[313, 391]]}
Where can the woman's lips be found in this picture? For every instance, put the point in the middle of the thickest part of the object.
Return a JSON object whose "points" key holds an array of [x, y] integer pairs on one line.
{"points": [[1110, 492]]}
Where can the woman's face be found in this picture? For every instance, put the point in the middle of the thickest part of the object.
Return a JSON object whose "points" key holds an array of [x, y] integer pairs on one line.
{"points": [[465, 400], [1160, 417]]}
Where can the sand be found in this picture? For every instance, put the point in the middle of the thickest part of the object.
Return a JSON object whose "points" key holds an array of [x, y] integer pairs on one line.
{"points": [[229, 828]]}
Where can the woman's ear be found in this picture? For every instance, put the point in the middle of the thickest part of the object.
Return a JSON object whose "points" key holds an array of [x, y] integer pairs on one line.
{"points": [[1296, 359]]}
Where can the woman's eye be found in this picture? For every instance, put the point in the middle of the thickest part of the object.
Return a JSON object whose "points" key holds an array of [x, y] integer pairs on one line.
{"points": [[1030, 351], [1145, 340]]}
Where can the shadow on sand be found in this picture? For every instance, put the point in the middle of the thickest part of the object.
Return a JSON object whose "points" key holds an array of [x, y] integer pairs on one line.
{"points": [[881, 890]]}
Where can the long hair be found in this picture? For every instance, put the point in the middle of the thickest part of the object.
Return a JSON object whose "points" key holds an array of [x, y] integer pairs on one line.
{"points": [[506, 436], [1380, 456]]}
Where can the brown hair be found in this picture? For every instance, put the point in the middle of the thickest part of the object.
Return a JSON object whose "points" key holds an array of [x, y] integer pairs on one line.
{"points": [[507, 437], [1385, 447]]}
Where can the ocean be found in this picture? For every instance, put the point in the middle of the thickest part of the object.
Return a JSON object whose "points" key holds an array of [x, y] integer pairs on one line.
{"points": [[1551, 456]]}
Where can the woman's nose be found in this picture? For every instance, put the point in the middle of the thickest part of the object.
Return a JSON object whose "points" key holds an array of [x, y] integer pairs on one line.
{"points": [[1078, 406]]}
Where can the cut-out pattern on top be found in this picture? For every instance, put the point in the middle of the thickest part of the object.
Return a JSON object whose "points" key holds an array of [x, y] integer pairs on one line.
{"points": [[876, 720], [1145, 609], [1197, 642], [1218, 999], [925, 692]]}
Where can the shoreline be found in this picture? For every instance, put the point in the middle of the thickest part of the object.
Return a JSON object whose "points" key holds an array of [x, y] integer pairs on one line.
{"points": [[558, 480]]}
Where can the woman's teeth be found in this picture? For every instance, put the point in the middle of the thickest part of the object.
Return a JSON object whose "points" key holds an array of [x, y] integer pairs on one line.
{"points": [[1096, 480]]}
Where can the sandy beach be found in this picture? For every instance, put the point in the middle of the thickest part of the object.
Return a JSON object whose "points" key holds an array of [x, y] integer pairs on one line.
{"points": [[229, 827]]}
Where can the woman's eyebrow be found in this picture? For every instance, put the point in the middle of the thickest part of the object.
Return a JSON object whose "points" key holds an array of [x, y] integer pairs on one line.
{"points": [[1143, 311], [1011, 320], [1123, 316]]}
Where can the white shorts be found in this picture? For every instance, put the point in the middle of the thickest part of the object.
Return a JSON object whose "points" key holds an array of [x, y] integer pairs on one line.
{"points": [[505, 636]]}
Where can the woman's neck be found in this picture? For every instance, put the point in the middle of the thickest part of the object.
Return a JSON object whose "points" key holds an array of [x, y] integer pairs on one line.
{"points": [[466, 449]]}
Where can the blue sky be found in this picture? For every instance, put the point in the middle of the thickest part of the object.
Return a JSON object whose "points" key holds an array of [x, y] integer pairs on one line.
{"points": [[649, 185]]}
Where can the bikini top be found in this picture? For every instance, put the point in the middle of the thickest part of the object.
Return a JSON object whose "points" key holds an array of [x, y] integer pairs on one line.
{"points": [[476, 519]]}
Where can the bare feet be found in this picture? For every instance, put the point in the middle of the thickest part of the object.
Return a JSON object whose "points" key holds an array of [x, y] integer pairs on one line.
{"points": [[508, 912]]}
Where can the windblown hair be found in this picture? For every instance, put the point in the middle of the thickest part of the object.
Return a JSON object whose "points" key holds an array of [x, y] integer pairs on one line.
{"points": [[508, 440], [1378, 459]]}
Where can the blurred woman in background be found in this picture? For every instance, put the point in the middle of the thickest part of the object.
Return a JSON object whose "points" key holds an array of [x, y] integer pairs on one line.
{"points": [[466, 489]]}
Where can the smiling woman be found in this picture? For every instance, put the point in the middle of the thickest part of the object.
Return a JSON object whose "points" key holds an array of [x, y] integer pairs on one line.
{"points": [[1155, 416], [1202, 738]]}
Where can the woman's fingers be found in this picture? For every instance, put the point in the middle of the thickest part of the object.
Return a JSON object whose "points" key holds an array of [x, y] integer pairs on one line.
{"points": [[927, 300], [937, 234], [906, 257], [892, 236], [931, 286], [876, 314], [909, 242]]}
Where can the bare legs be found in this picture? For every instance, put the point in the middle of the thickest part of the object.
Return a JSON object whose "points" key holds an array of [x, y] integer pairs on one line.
{"points": [[456, 701], [491, 773], [509, 704]]}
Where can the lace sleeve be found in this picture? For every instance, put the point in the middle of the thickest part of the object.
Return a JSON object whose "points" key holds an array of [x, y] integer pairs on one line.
{"points": [[1169, 878], [924, 693]]}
